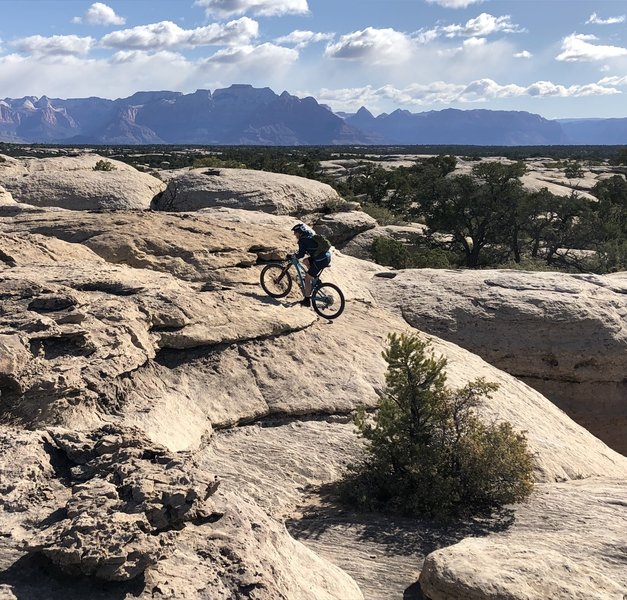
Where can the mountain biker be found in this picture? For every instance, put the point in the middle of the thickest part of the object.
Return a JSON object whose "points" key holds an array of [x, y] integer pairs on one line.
{"points": [[317, 260]]}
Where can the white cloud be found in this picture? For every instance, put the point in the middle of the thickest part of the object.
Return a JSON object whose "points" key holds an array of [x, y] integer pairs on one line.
{"points": [[523, 54], [613, 81], [596, 20], [80, 77], [577, 47], [440, 92], [167, 35], [60, 45], [454, 3], [474, 42], [375, 46], [265, 8], [100, 14], [264, 56], [138, 57], [484, 24], [303, 38], [481, 26]]}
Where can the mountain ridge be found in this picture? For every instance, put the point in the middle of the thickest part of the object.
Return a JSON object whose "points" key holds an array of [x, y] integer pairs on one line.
{"points": [[244, 115]]}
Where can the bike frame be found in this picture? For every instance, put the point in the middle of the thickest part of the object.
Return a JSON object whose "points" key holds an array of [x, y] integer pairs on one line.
{"points": [[300, 271]]}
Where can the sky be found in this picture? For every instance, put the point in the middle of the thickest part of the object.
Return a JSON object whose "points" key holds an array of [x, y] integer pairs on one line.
{"points": [[555, 58]]}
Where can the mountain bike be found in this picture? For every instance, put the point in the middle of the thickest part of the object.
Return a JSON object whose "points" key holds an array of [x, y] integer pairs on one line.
{"points": [[326, 298]]}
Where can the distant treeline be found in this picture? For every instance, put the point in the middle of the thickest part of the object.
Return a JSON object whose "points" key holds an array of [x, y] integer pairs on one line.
{"points": [[253, 156], [483, 219]]}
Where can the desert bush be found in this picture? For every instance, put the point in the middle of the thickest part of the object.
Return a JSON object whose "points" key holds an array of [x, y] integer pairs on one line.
{"points": [[104, 165], [399, 255], [573, 170], [216, 163], [389, 252], [426, 452], [382, 215]]}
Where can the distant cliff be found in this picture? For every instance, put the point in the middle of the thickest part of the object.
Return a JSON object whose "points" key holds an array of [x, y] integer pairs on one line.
{"points": [[451, 126], [239, 114], [242, 114]]}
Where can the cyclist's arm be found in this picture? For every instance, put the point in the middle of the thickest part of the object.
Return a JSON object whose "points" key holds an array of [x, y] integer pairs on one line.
{"points": [[302, 248]]}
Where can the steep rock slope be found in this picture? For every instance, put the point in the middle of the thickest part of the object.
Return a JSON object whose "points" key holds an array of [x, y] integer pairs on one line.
{"points": [[149, 331]]}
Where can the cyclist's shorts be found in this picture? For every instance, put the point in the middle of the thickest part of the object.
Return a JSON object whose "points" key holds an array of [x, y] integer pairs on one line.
{"points": [[317, 264]]}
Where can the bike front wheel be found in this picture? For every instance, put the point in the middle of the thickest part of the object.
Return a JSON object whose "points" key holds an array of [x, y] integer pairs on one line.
{"points": [[276, 281], [328, 301]]}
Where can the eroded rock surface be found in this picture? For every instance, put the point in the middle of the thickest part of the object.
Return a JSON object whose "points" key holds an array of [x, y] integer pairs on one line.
{"points": [[147, 335], [246, 189], [6, 197], [565, 335], [128, 497], [111, 505], [72, 183]]}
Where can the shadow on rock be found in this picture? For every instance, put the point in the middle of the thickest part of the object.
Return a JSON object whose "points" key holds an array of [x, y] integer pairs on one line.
{"points": [[33, 577], [398, 535]]}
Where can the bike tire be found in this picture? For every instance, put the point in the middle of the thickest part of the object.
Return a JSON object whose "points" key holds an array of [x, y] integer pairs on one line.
{"points": [[328, 301], [269, 280]]}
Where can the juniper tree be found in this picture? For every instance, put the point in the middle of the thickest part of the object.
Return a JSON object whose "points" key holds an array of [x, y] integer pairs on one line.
{"points": [[427, 452]]}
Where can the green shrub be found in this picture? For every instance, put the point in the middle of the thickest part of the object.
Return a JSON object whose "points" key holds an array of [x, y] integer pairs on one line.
{"points": [[573, 170], [382, 215], [389, 252], [427, 453], [217, 163], [432, 258], [104, 165], [394, 253]]}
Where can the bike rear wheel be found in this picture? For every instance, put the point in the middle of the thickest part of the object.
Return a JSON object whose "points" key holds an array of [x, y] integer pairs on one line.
{"points": [[276, 280], [328, 301]]}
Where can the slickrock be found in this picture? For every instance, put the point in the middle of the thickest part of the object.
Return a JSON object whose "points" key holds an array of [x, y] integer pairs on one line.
{"points": [[193, 247], [128, 497], [274, 193], [72, 183], [542, 173], [360, 246], [82, 328], [6, 197], [141, 349], [111, 505], [341, 227], [568, 542], [565, 335], [27, 249]]}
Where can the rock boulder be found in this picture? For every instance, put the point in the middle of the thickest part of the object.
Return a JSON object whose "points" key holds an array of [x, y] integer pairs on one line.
{"points": [[246, 189], [557, 548], [73, 183], [341, 227]]}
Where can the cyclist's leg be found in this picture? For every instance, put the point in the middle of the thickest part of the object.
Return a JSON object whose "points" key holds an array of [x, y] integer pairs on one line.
{"points": [[317, 266], [309, 265]]}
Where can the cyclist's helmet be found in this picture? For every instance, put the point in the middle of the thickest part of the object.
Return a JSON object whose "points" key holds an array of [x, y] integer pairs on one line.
{"points": [[301, 228]]}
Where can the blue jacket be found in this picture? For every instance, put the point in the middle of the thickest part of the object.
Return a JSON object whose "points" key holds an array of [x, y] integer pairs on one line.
{"points": [[306, 245]]}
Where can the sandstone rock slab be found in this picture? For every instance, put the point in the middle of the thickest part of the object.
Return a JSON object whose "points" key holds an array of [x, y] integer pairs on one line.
{"points": [[72, 183], [360, 246], [245, 189], [341, 227], [565, 543]]}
